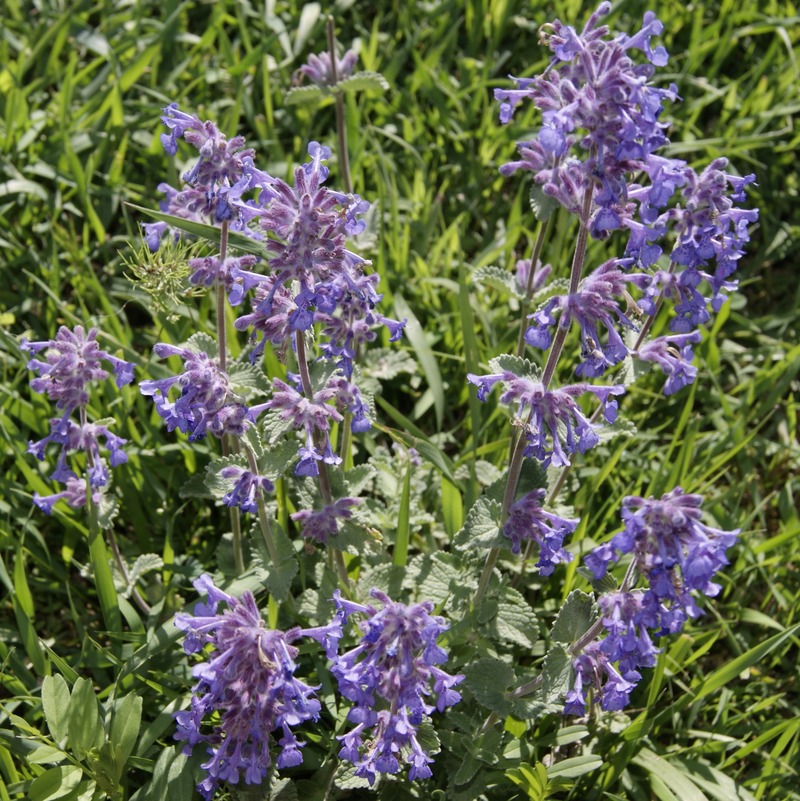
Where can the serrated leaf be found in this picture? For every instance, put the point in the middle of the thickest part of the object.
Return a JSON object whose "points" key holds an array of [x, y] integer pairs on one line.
{"points": [[436, 577], [145, 563], [55, 702], [385, 364], [372, 82], [482, 526], [519, 366], [542, 205], [273, 427], [515, 621], [489, 679], [278, 578], [107, 510], [304, 95], [246, 376], [277, 458], [556, 674], [202, 343], [358, 479], [574, 618], [498, 277]]}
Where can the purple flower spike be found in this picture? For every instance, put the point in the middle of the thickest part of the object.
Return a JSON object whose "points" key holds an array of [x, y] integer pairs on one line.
{"points": [[594, 669], [72, 361], [245, 693], [247, 489], [387, 676], [673, 550], [322, 524], [206, 402], [528, 521]]}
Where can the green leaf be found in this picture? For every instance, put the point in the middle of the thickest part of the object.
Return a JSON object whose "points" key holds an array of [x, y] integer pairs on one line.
{"points": [[489, 679], [498, 277], [679, 781], [85, 724], [278, 578], [55, 702], [556, 674], [371, 82], [437, 577], [304, 95], [44, 754], [515, 621], [384, 364], [55, 783], [542, 205], [482, 526], [573, 767], [210, 232], [519, 366], [125, 725], [172, 777], [574, 618]]}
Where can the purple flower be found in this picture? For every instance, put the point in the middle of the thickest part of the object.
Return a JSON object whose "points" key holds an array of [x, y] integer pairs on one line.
{"points": [[593, 307], [74, 495], [627, 640], [208, 271], [245, 692], [319, 70], [248, 486], [555, 424], [322, 524], [523, 275], [206, 403], [673, 550], [388, 677], [72, 361], [593, 668], [527, 520], [674, 355]]}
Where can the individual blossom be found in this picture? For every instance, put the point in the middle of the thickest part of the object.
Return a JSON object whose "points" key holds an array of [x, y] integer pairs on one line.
{"points": [[74, 495], [247, 489], [319, 69], [523, 277], [673, 550], [674, 355], [528, 521], [320, 525], [389, 676], [595, 308], [207, 402], [209, 270], [247, 695], [627, 640], [554, 425]]}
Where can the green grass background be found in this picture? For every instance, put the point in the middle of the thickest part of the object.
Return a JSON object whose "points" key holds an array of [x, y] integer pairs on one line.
{"points": [[81, 88]]}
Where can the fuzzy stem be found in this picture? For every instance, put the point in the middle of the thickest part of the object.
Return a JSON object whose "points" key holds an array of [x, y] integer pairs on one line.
{"points": [[263, 519], [121, 566], [541, 235]]}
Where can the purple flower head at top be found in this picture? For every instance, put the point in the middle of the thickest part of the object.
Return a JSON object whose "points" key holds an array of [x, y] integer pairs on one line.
{"points": [[388, 676], [246, 693], [324, 523], [319, 69], [206, 403], [527, 520], [600, 115], [72, 361], [673, 550], [554, 425]]}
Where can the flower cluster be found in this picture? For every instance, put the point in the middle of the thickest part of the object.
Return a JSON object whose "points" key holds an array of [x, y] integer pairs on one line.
{"points": [[527, 520], [319, 68], [677, 554], [322, 524], [554, 425], [245, 692], [388, 676], [72, 361], [206, 403]]}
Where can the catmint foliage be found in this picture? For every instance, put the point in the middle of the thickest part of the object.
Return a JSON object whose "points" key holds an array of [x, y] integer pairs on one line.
{"points": [[389, 676], [247, 699]]}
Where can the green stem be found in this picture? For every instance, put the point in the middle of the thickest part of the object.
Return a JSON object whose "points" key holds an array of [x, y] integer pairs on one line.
{"points": [[541, 235], [263, 519], [341, 123]]}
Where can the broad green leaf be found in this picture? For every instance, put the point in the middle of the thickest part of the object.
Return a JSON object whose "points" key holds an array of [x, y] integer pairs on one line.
{"points": [[56, 703], [55, 783], [515, 621], [678, 780], [482, 526], [44, 754], [542, 205], [85, 724], [574, 618], [556, 674], [574, 766], [385, 364], [372, 82], [498, 277], [125, 725], [489, 679], [172, 777], [519, 366]]}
